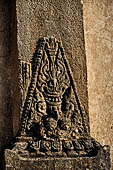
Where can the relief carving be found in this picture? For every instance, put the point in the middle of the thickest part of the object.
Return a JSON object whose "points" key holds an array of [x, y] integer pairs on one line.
{"points": [[52, 121]]}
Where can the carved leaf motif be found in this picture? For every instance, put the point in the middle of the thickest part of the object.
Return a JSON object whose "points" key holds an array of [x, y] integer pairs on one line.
{"points": [[52, 114]]}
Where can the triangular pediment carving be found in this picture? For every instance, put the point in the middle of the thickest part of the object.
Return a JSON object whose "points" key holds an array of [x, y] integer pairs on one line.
{"points": [[52, 119]]}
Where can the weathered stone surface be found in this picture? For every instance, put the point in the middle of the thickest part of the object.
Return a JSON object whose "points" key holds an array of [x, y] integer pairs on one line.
{"points": [[100, 162], [98, 25], [5, 77], [63, 20], [52, 118], [54, 131], [8, 76]]}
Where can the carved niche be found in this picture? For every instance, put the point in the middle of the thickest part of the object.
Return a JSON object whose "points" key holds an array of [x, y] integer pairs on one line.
{"points": [[52, 121]]}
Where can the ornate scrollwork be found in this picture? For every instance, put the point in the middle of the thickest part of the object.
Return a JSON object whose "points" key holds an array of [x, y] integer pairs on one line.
{"points": [[52, 116]]}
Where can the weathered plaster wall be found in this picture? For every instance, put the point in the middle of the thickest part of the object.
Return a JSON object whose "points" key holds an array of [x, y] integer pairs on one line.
{"points": [[98, 23]]}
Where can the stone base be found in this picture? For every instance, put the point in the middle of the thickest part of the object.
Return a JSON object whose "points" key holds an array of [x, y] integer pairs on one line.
{"points": [[100, 162]]}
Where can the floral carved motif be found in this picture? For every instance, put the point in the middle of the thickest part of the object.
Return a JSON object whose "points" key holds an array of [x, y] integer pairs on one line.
{"points": [[52, 121]]}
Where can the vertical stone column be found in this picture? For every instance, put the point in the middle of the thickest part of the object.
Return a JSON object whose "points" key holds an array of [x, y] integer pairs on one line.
{"points": [[6, 129], [8, 69], [98, 22], [63, 20]]}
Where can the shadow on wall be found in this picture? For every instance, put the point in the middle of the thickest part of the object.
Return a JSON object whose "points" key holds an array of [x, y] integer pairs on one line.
{"points": [[9, 110]]}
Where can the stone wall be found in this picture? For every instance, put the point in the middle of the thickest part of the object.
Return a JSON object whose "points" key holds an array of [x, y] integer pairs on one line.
{"points": [[64, 20], [98, 21], [98, 24], [5, 77], [8, 70]]}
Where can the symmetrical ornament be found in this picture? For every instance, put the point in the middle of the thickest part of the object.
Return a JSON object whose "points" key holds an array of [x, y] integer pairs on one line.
{"points": [[52, 121]]}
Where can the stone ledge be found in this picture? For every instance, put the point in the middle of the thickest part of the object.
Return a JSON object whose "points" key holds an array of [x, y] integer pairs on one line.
{"points": [[99, 162]]}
